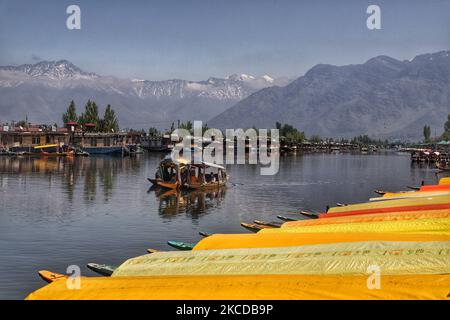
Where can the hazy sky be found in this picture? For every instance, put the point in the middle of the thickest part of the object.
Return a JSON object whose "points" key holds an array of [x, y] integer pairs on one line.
{"points": [[196, 39]]}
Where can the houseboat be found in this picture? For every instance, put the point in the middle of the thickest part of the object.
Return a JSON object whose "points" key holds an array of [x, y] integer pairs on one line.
{"points": [[157, 144], [33, 139], [96, 143]]}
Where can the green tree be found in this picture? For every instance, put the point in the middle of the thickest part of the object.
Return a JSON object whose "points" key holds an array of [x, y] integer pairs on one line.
{"points": [[109, 123], [290, 133], [71, 114], [205, 128], [446, 134], [90, 114], [447, 124], [315, 138], [188, 126], [426, 133], [153, 132]]}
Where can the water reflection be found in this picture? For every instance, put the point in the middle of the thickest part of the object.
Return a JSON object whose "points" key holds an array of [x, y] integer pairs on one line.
{"points": [[194, 202], [93, 174]]}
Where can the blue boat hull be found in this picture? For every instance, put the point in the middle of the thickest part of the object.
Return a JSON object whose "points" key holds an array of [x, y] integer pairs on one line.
{"points": [[104, 150]]}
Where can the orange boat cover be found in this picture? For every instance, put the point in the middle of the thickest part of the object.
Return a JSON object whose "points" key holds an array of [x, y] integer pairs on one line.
{"points": [[254, 287], [270, 240], [391, 216]]}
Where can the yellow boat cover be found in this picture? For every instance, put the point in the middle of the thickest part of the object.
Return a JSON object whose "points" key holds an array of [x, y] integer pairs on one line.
{"points": [[424, 226], [444, 181], [414, 194], [392, 203], [391, 216], [249, 287], [351, 258], [270, 240]]}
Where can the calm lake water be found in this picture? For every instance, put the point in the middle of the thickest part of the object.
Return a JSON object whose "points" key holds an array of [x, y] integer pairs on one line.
{"points": [[60, 212]]}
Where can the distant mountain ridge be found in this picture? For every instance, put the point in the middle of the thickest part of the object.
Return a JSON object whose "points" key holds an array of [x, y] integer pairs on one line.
{"points": [[384, 98], [43, 90]]}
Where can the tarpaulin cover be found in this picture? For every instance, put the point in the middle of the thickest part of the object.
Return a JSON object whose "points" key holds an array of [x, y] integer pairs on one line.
{"points": [[269, 240], [392, 203], [414, 194], [444, 181], [399, 205], [249, 287], [435, 187], [338, 258], [426, 226], [406, 215]]}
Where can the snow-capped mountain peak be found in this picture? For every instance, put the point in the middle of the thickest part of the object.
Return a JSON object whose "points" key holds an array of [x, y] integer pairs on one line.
{"points": [[52, 70], [64, 74], [268, 78]]}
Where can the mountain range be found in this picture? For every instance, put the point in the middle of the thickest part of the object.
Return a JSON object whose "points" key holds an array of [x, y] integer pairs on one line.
{"points": [[42, 92], [384, 98]]}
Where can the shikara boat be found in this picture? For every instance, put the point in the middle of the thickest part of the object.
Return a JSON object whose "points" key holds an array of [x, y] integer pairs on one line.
{"points": [[442, 167], [169, 172], [198, 179], [254, 227], [180, 173], [103, 269], [284, 218], [181, 245], [204, 234], [309, 214], [49, 276], [268, 223], [154, 181], [48, 150]]}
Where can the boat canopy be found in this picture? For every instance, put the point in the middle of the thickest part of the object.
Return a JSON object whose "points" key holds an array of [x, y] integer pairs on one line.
{"points": [[179, 161], [207, 164], [213, 165]]}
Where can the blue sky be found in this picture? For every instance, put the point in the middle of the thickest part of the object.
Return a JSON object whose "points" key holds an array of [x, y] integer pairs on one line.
{"points": [[196, 39]]}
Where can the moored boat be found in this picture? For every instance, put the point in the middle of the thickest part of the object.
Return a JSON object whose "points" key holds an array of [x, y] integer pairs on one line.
{"points": [[442, 167], [104, 150], [49, 276], [181, 245], [254, 227], [268, 223], [103, 269]]}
